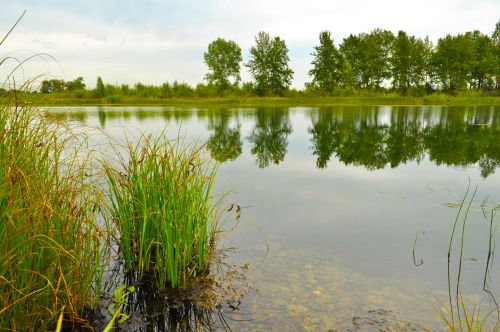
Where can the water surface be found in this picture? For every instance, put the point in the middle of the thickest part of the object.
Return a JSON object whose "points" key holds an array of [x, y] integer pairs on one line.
{"points": [[333, 200]]}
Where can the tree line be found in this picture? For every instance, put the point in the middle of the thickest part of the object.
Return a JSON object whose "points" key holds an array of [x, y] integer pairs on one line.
{"points": [[375, 61]]}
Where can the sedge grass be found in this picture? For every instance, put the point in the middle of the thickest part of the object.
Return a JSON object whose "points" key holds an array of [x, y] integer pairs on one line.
{"points": [[49, 253], [161, 200]]}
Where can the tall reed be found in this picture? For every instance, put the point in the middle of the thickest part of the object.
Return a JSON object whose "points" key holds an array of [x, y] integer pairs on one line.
{"points": [[456, 316], [49, 249], [163, 206]]}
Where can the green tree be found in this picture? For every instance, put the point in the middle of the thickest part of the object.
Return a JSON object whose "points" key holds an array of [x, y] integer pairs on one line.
{"points": [[353, 66], [46, 86], [401, 62], [368, 58], [223, 61], [409, 61], [269, 65], [452, 62], [496, 46], [327, 64], [99, 89], [58, 85], [483, 64], [377, 46], [76, 84], [54, 85], [421, 53]]}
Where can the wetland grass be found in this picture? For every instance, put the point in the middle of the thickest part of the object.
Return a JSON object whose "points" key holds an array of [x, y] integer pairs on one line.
{"points": [[456, 316], [162, 203], [49, 252]]}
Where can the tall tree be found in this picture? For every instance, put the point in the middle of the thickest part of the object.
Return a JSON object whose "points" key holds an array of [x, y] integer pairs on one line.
{"points": [[353, 65], [483, 64], [452, 62], [368, 57], [409, 60], [401, 62], [327, 64], [378, 45], [99, 88], [496, 42], [421, 53], [223, 60], [269, 65]]}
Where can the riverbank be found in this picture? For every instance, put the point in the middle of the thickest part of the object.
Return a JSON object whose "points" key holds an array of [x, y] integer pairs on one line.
{"points": [[64, 99]]}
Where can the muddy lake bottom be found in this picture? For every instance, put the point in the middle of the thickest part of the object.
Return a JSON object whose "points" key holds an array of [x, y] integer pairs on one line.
{"points": [[347, 212]]}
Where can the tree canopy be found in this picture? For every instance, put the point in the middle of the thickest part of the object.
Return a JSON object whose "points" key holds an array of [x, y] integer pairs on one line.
{"points": [[269, 65], [326, 70], [223, 61]]}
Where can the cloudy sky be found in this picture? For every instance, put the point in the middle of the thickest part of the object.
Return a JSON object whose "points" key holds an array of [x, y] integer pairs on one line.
{"points": [[154, 41]]}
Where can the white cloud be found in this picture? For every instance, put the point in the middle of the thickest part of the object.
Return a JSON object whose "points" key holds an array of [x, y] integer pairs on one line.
{"points": [[153, 41]]}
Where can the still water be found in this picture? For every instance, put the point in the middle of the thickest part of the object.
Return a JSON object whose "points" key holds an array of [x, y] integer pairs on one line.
{"points": [[347, 211]]}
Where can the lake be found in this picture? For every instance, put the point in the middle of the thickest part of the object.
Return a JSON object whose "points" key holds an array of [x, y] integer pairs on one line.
{"points": [[347, 212]]}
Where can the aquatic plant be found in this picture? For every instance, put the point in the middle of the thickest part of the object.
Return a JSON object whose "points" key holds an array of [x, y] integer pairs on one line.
{"points": [[162, 204], [456, 316], [120, 296], [49, 253]]}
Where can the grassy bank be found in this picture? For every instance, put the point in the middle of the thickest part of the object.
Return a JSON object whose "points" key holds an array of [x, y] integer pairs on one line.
{"points": [[67, 99]]}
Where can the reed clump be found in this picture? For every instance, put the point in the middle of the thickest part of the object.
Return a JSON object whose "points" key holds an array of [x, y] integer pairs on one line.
{"points": [[167, 217], [49, 248]]}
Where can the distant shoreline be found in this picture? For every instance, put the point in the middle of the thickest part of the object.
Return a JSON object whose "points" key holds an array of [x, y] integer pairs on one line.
{"points": [[438, 100]]}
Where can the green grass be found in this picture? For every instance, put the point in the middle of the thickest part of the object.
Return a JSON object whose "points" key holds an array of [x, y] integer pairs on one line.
{"points": [[68, 98], [164, 209], [49, 252]]}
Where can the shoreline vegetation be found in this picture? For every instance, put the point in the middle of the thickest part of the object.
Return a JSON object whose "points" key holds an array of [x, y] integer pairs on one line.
{"points": [[377, 99], [60, 220], [375, 68]]}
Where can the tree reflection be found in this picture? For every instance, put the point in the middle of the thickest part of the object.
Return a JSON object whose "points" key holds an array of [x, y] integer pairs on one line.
{"points": [[363, 145], [225, 143], [372, 137], [326, 133], [102, 117], [269, 136], [455, 136]]}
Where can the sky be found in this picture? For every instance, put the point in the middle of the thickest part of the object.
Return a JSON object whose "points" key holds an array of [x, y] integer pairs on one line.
{"points": [[154, 41]]}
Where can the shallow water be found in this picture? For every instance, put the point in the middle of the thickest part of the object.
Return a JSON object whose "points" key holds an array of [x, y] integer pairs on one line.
{"points": [[333, 200]]}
